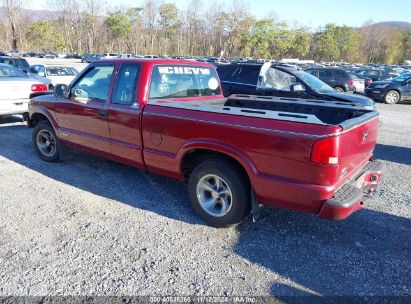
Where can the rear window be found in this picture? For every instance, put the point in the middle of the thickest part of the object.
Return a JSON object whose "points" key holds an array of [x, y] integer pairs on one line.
{"points": [[6, 71], [168, 81]]}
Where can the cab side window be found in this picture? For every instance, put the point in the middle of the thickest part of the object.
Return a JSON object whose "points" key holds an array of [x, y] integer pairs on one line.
{"points": [[94, 84], [124, 91]]}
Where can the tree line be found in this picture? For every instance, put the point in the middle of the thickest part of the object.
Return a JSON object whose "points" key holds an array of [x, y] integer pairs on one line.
{"points": [[161, 28]]}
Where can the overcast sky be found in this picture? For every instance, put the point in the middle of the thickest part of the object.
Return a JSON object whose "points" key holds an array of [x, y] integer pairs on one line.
{"points": [[312, 13]]}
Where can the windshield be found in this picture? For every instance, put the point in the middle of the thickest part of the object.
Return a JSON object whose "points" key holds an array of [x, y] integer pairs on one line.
{"points": [[9, 71], [402, 77], [314, 83], [61, 71]]}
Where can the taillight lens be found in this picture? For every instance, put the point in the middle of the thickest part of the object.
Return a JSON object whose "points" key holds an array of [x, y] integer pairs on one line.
{"points": [[38, 87], [325, 151], [369, 81], [350, 83]]}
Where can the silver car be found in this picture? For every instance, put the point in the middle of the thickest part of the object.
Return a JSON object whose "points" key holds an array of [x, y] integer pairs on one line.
{"points": [[16, 89]]}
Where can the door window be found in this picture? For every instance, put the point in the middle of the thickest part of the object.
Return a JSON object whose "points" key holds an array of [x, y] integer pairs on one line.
{"points": [[41, 70], [249, 74], [126, 84], [278, 80], [94, 84], [325, 74]]}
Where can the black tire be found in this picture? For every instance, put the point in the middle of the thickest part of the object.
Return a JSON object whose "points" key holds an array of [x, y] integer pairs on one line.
{"points": [[42, 129], [237, 183], [392, 97], [339, 89]]}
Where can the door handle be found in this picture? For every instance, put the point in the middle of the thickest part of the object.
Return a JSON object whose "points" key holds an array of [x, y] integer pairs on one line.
{"points": [[103, 113]]}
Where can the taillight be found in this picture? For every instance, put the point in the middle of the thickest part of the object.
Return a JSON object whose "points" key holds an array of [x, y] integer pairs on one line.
{"points": [[325, 151], [350, 83], [369, 81], [38, 87]]}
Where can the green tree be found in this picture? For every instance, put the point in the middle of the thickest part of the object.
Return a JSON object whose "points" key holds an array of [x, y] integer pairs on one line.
{"points": [[119, 24], [45, 38], [168, 22], [327, 47]]}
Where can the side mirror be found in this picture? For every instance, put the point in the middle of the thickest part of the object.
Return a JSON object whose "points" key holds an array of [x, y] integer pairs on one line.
{"points": [[297, 88], [61, 90]]}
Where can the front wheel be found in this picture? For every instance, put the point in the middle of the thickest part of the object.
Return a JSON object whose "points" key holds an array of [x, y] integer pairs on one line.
{"points": [[392, 97], [339, 89], [45, 142], [220, 193]]}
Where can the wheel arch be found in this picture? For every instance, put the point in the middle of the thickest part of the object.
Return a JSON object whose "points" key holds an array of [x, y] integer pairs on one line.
{"points": [[39, 115], [195, 153]]}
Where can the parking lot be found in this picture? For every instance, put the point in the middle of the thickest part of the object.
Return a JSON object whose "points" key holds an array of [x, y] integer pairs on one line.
{"points": [[89, 226]]}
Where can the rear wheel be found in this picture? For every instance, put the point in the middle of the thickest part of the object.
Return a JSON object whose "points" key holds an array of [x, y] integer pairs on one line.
{"points": [[45, 142], [392, 97], [219, 192], [339, 89]]}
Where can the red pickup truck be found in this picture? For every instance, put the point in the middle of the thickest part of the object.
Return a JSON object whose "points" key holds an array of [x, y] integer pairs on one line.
{"points": [[170, 117]]}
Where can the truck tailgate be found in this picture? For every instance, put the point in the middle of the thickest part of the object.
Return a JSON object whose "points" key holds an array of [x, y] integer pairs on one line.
{"points": [[356, 145]]}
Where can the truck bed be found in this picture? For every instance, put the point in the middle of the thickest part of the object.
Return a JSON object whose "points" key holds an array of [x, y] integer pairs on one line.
{"points": [[301, 110]]}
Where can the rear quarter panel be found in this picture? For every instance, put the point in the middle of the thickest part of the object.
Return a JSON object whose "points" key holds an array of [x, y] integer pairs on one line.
{"points": [[275, 154]]}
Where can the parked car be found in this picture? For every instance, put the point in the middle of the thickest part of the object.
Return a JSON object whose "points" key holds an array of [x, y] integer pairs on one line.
{"points": [[170, 117], [375, 75], [108, 55], [16, 89], [89, 58], [249, 78], [339, 79], [17, 62], [52, 75], [391, 91], [29, 54], [359, 83], [50, 55]]}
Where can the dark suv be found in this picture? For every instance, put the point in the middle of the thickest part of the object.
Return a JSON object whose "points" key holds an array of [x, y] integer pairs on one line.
{"points": [[17, 62], [339, 79], [273, 80]]}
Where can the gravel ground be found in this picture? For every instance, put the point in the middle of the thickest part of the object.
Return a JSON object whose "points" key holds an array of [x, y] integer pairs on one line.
{"points": [[89, 226]]}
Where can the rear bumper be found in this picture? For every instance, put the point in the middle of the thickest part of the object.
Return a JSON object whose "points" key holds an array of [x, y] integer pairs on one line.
{"points": [[353, 194]]}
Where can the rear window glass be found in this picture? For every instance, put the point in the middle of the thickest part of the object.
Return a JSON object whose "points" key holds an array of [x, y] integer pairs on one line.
{"points": [[11, 72], [169, 81], [61, 71]]}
